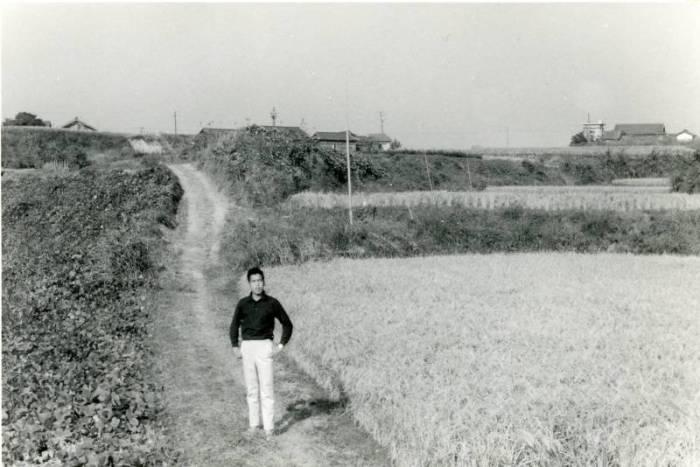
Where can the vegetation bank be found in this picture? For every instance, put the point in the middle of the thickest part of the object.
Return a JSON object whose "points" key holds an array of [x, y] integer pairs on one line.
{"points": [[80, 253]]}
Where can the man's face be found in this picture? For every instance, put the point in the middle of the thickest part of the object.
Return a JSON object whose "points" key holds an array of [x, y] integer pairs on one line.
{"points": [[256, 284]]}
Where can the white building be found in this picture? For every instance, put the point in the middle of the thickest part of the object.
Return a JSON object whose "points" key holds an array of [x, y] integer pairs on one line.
{"points": [[593, 131], [685, 136]]}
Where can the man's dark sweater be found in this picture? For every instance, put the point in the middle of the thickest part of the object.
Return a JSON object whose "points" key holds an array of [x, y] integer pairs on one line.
{"points": [[257, 320]]}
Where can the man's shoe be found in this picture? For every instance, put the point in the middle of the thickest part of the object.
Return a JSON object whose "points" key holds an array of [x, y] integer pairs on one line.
{"points": [[252, 431], [269, 434]]}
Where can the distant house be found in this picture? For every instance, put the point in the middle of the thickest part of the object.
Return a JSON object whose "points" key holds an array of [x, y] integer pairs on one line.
{"points": [[633, 134], [641, 129], [336, 140], [216, 131], [78, 125], [641, 133], [379, 140], [611, 135], [684, 136], [292, 132]]}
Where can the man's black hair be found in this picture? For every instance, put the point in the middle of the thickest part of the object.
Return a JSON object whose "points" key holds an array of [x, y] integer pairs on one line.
{"points": [[253, 271]]}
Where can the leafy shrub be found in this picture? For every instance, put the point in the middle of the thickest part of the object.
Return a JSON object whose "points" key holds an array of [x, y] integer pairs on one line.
{"points": [[33, 147], [578, 139], [687, 178], [262, 166], [25, 119], [291, 235], [79, 253]]}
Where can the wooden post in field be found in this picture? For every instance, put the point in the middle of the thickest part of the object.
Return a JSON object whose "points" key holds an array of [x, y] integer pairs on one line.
{"points": [[469, 174], [347, 158], [427, 168]]}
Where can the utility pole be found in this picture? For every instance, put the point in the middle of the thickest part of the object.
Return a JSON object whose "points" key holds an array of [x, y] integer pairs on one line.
{"points": [[381, 121], [469, 175], [175, 120], [347, 153], [273, 114]]}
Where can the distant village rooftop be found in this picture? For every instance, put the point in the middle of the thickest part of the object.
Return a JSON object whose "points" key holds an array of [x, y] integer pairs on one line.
{"points": [[78, 125], [634, 134], [641, 129], [335, 136], [294, 132]]}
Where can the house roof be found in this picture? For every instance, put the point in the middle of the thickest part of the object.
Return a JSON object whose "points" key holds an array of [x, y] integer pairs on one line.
{"points": [[76, 121], [612, 135], [687, 132], [217, 130], [335, 136], [291, 131], [379, 138], [639, 129]]}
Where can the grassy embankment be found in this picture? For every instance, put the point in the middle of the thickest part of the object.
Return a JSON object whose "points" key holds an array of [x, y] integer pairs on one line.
{"points": [[407, 171], [80, 253], [52, 148], [263, 171], [33, 148], [520, 359]]}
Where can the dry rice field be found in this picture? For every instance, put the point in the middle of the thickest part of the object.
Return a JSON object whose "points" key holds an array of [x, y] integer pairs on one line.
{"points": [[550, 198], [508, 359]]}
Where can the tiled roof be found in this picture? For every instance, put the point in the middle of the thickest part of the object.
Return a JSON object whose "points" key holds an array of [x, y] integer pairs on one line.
{"points": [[612, 135], [217, 130], [685, 131], [638, 129], [335, 136], [379, 138], [75, 121], [292, 131]]}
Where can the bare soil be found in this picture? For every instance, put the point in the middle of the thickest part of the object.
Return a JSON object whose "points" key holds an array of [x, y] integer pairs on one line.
{"points": [[203, 380]]}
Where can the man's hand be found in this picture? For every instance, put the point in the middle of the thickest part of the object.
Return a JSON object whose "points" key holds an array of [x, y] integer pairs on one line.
{"points": [[278, 348], [237, 352]]}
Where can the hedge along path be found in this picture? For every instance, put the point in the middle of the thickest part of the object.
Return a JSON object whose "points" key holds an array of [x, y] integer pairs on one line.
{"points": [[202, 380]]}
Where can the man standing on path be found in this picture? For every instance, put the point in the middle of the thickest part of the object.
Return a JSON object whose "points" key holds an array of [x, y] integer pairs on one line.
{"points": [[255, 316]]}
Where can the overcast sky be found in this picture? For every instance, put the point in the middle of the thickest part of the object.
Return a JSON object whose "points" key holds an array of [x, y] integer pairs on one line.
{"points": [[445, 75]]}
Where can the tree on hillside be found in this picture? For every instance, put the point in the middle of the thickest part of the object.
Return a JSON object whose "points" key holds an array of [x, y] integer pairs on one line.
{"points": [[395, 144], [578, 139], [25, 119]]}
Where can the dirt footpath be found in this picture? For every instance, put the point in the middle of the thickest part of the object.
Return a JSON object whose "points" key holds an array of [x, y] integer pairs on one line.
{"points": [[202, 379]]}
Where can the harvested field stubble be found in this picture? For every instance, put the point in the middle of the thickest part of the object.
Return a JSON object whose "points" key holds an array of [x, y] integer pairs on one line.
{"points": [[524, 359], [612, 199]]}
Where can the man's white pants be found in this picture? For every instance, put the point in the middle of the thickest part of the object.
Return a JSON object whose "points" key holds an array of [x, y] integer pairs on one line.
{"points": [[257, 372]]}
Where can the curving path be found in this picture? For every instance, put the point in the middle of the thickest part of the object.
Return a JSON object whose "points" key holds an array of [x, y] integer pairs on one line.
{"points": [[202, 380]]}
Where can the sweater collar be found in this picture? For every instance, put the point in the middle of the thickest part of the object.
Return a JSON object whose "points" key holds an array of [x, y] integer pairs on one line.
{"points": [[263, 296]]}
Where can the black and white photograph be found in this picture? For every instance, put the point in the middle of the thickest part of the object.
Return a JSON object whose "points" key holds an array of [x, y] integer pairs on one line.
{"points": [[350, 234]]}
